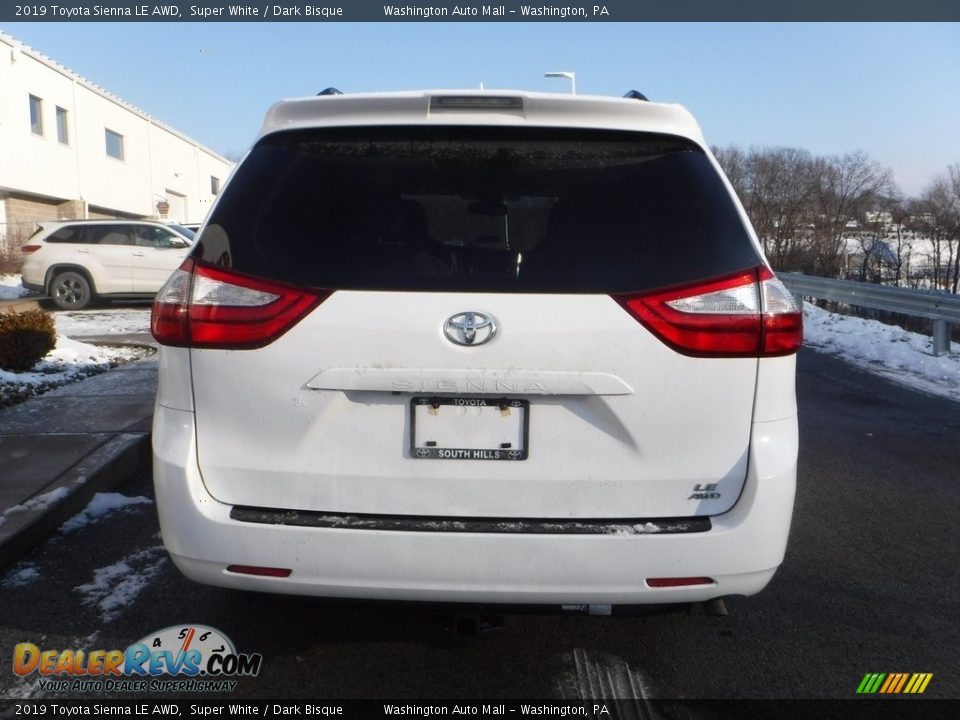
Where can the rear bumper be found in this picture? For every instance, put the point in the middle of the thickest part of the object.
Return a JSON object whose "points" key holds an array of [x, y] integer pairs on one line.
{"points": [[741, 551]]}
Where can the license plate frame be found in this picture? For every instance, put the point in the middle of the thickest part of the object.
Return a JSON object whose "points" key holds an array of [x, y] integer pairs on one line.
{"points": [[420, 406]]}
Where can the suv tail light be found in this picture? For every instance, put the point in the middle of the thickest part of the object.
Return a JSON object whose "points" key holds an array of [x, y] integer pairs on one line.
{"points": [[27, 249], [202, 306], [750, 314]]}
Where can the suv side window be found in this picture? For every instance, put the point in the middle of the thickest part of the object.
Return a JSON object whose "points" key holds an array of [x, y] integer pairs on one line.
{"points": [[108, 235], [66, 234], [144, 236]]}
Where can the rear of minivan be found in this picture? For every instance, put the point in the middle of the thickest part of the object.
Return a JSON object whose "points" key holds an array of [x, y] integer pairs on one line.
{"points": [[477, 347]]}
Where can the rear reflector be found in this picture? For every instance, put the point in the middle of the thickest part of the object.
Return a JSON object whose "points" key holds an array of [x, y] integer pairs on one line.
{"points": [[202, 306], [679, 582], [257, 570], [750, 314], [27, 249]]}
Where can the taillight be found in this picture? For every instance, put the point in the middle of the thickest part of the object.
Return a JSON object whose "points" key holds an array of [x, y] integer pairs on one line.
{"points": [[203, 306], [27, 249], [750, 314]]}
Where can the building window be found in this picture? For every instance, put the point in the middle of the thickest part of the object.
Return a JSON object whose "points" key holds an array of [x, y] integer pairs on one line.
{"points": [[214, 185], [62, 135], [36, 115], [114, 144]]}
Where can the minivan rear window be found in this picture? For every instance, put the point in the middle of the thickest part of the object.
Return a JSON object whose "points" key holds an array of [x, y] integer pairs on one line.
{"points": [[477, 209]]}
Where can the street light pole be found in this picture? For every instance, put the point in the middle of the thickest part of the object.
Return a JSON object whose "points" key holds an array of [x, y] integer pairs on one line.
{"points": [[571, 76]]}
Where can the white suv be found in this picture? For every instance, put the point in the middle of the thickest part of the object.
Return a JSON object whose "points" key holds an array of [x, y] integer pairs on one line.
{"points": [[477, 347], [76, 261]]}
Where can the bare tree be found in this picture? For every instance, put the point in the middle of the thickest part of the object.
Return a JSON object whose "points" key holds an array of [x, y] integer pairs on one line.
{"points": [[953, 174], [902, 249], [816, 214], [845, 187], [876, 254], [780, 187], [775, 187], [734, 163], [939, 221]]}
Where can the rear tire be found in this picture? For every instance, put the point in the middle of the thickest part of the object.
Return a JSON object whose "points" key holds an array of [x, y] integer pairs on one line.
{"points": [[70, 291]]}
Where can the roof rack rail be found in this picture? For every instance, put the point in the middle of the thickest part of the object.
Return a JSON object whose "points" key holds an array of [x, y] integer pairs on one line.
{"points": [[636, 95], [330, 91]]}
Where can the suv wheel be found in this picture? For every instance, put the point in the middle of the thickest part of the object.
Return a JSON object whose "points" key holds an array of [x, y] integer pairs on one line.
{"points": [[70, 291]]}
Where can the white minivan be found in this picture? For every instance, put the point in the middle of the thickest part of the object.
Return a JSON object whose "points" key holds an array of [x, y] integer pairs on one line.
{"points": [[484, 347]]}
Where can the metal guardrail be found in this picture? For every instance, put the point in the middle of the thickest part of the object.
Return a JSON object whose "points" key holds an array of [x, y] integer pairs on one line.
{"points": [[942, 308]]}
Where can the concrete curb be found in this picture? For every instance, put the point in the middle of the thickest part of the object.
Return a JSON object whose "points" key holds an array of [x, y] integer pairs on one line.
{"points": [[103, 469]]}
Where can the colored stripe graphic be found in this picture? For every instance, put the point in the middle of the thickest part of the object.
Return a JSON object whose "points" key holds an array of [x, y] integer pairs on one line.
{"points": [[918, 683], [894, 683], [891, 679], [899, 687]]}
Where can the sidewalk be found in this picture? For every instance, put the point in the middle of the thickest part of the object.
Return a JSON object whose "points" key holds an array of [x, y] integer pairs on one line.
{"points": [[59, 449]]}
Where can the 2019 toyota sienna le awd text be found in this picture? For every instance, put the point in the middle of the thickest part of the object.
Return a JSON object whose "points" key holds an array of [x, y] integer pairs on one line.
{"points": [[485, 347]]}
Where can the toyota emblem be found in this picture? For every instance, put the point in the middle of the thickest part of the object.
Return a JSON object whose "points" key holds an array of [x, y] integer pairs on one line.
{"points": [[469, 328]]}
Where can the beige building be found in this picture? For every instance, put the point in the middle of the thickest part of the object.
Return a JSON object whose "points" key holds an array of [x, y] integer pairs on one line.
{"points": [[70, 149]]}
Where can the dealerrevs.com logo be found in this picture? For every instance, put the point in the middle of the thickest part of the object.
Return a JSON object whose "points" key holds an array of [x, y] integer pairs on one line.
{"points": [[201, 658]]}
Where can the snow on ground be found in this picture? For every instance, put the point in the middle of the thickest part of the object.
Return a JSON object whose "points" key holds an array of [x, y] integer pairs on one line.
{"points": [[103, 321], [72, 360], [38, 502], [80, 323], [591, 675], [68, 362], [100, 506], [116, 587], [887, 350], [20, 575], [10, 287]]}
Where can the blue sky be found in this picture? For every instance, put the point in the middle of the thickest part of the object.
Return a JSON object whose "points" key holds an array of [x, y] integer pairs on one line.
{"points": [[892, 90]]}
